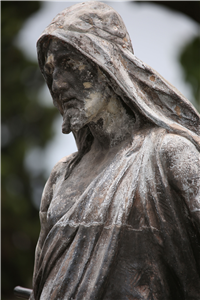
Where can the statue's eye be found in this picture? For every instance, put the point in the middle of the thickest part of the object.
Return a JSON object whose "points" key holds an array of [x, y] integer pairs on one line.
{"points": [[68, 63], [65, 63]]}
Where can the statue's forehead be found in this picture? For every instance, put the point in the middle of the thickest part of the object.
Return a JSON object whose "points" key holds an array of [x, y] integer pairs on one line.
{"points": [[56, 44], [57, 48]]}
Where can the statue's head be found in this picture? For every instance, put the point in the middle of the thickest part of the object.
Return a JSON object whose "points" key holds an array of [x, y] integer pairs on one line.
{"points": [[73, 54], [79, 87], [98, 38]]}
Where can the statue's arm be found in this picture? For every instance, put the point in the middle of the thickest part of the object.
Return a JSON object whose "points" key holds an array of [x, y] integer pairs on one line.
{"points": [[181, 162], [47, 196], [45, 201]]}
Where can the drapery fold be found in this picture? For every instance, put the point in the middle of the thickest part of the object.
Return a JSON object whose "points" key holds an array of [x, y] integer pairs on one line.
{"points": [[123, 226], [131, 234]]}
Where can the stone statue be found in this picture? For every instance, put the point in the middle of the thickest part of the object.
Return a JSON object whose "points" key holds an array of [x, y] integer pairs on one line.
{"points": [[119, 218]]}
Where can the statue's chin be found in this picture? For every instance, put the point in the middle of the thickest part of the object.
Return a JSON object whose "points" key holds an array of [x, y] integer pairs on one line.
{"points": [[69, 126], [66, 131], [72, 123], [66, 128]]}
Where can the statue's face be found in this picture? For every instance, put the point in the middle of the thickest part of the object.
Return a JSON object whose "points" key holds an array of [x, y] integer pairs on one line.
{"points": [[79, 88]]}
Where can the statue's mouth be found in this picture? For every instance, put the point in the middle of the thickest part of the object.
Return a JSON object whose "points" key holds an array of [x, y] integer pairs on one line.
{"points": [[71, 103], [68, 99]]}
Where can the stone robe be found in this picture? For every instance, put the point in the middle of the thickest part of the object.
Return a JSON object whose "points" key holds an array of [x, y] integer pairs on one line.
{"points": [[134, 233]]}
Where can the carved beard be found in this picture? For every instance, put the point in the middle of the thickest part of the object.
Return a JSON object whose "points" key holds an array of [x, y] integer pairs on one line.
{"points": [[73, 120], [66, 128]]}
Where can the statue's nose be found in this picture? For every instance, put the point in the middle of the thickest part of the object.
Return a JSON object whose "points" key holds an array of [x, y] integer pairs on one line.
{"points": [[59, 83]]}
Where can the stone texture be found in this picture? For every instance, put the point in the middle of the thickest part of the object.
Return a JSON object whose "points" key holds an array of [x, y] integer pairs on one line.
{"points": [[119, 218]]}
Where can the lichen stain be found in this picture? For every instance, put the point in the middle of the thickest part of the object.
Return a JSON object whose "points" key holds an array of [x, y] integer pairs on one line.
{"points": [[81, 67], [50, 59], [113, 107], [87, 85], [178, 110], [90, 20], [152, 78], [100, 199], [124, 63], [95, 51], [93, 103]]}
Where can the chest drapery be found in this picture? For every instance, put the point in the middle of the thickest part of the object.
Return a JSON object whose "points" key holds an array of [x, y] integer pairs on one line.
{"points": [[123, 226]]}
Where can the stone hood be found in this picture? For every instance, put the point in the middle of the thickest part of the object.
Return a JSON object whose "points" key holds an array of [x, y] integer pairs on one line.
{"points": [[98, 32]]}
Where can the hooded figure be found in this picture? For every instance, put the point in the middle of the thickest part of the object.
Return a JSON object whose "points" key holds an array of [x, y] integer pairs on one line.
{"points": [[133, 231]]}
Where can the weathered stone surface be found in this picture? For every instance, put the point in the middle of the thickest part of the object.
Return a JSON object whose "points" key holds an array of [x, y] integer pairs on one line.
{"points": [[119, 218]]}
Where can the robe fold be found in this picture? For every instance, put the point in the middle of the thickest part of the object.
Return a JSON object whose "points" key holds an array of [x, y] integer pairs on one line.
{"points": [[130, 235], [134, 233]]}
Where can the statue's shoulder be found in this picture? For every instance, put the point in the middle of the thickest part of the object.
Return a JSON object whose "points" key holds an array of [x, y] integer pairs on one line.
{"points": [[56, 173], [180, 158], [173, 144], [66, 159], [61, 166]]}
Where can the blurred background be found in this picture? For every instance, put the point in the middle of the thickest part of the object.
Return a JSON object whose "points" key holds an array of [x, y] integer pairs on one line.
{"points": [[164, 34]]}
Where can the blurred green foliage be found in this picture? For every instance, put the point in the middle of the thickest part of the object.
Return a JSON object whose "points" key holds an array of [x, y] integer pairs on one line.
{"points": [[188, 8], [25, 124], [190, 61]]}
